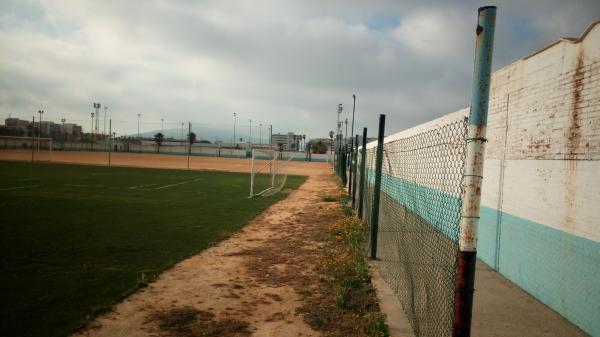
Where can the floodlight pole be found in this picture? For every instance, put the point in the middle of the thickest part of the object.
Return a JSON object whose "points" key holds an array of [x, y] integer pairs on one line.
{"points": [[92, 134], [234, 121], [271, 137], [346, 134], [260, 133], [339, 123], [250, 137], [104, 131], [473, 173], [139, 118], [40, 130], [62, 132], [96, 107]]}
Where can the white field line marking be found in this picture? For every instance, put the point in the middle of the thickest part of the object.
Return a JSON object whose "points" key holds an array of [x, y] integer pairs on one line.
{"points": [[140, 186], [18, 188], [79, 185], [177, 184]]}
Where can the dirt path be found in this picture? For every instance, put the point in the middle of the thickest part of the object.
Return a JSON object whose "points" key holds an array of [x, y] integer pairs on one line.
{"points": [[246, 285]]}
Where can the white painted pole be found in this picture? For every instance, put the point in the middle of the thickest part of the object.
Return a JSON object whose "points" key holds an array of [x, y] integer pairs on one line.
{"points": [[252, 176], [273, 170]]}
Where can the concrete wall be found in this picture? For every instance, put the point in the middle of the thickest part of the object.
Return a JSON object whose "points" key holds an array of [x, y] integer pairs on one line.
{"points": [[540, 224]]}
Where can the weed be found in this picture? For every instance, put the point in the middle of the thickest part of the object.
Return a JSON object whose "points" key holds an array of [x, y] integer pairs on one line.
{"points": [[345, 303]]}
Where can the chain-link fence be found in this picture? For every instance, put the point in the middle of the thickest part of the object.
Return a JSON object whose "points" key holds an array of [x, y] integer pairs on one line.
{"points": [[419, 219], [114, 141]]}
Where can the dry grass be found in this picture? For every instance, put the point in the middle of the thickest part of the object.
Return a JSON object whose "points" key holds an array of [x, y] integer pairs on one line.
{"points": [[190, 322]]}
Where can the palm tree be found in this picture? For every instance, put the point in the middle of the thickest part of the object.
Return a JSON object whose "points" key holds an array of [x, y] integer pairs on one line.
{"points": [[192, 139], [318, 147], [158, 139]]}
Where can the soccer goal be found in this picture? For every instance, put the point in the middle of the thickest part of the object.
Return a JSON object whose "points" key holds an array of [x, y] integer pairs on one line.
{"points": [[21, 143], [269, 172]]}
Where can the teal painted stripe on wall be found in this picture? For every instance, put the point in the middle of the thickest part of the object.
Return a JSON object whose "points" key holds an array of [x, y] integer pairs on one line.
{"points": [[559, 269], [440, 209]]}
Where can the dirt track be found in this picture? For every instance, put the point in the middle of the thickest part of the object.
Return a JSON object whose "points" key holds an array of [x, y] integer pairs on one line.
{"points": [[159, 161], [249, 281]]}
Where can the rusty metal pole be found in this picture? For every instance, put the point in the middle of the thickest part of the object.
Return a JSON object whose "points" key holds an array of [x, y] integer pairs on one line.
{"points": [[473, 173], [377, 188], [361, 188]]}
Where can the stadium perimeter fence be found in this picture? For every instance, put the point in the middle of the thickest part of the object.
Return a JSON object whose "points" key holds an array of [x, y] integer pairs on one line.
{"points": [[419, 191], [119, 136], [419, 219]]}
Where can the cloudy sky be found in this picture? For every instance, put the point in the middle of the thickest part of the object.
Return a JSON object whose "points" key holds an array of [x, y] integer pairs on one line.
{"points": [[286, 63]]}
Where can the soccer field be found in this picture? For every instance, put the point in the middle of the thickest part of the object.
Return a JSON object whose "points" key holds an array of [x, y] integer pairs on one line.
{"points": [[76, 239]]}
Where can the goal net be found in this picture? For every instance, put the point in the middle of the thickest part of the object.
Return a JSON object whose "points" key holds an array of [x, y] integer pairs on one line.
{"points": [[269, 171], [21, 143], [40, 148]]}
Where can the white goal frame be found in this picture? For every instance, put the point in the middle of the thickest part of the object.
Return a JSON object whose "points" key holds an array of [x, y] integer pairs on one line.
{"points": [[35, 143], [277, 166]]}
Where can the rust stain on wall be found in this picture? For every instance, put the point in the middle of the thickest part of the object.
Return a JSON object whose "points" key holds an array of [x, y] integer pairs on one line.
{"points": [[574, 131], [573, 143]]}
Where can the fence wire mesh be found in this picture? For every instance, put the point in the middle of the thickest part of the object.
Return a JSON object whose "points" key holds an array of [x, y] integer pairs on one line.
{"points": [[62, 140], [419, 218]]}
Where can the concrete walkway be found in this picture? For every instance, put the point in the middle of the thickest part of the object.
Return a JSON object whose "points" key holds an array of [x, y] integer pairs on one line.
{"points": [[500, 309]]}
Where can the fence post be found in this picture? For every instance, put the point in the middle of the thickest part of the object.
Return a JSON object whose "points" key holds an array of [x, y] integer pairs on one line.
{"points": [[273, 169], [473, 173], [343, 165], [252, 175], [355, 160], [109, 139], [189, 144], [361, 190], [377, 188], [351, 154]]}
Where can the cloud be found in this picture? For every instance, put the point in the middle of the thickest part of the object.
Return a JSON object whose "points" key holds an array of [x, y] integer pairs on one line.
{"points": [[284, 63]]}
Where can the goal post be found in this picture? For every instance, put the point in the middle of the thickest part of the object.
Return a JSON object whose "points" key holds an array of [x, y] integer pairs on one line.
{"points": [[268, 172], [39, 147]]}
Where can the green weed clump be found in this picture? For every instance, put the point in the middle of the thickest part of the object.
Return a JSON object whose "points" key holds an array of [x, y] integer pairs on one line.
{"points": [[345, 267]]}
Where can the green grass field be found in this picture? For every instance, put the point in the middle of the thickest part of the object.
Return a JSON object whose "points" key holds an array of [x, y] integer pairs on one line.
{"points": [[76, 239]]}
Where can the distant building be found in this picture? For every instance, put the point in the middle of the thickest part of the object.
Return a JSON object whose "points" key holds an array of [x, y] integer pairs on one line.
{"points": [[325, 141], [16, 123], [21, 128], [329, 142], [287, 142]]}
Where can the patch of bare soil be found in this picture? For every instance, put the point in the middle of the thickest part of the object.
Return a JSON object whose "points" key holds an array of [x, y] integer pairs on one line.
{"points": [[250, 284]]}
